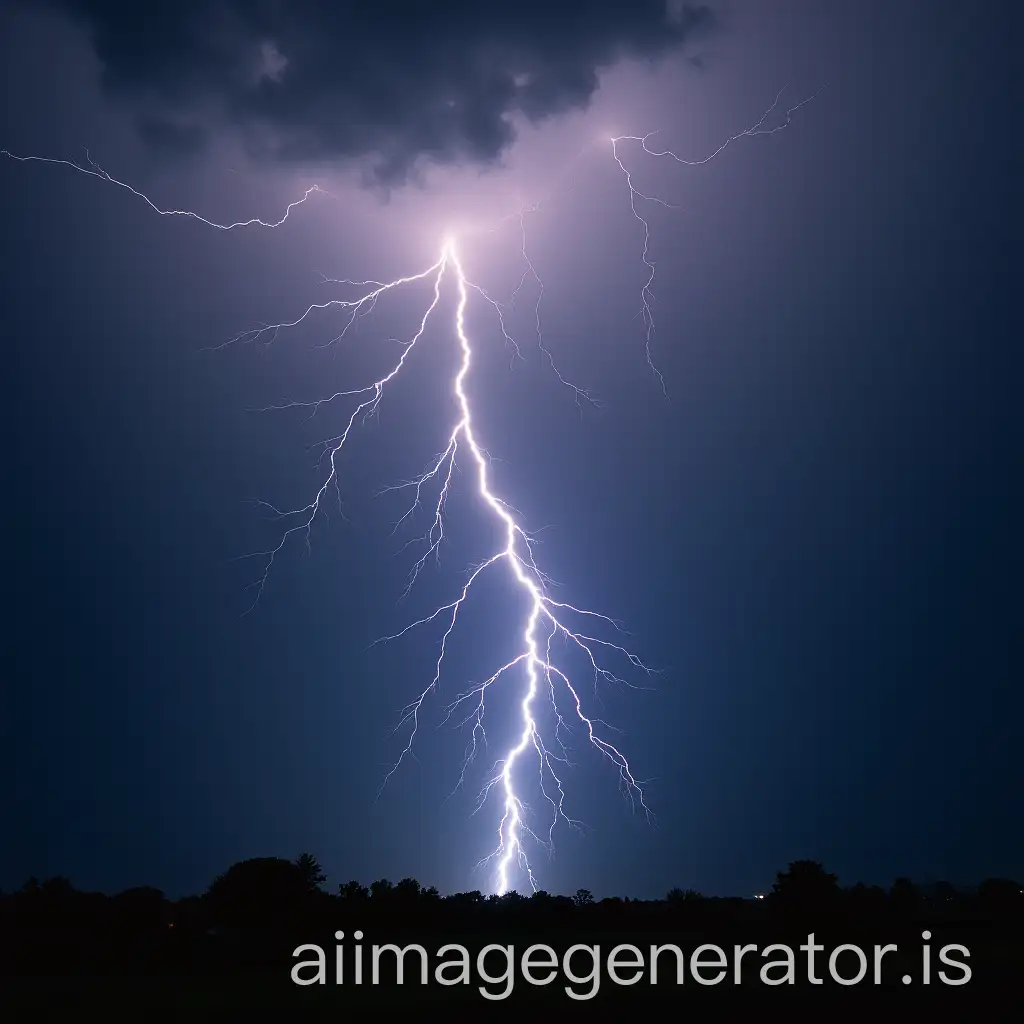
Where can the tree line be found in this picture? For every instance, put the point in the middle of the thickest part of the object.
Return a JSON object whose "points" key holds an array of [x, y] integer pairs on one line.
{"points": [[252, 917], [263, 892]]}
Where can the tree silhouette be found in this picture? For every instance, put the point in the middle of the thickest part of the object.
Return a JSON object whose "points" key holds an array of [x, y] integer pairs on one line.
{"points": [[258, 893], [805, 885], [508, 899], [677, 896], [353, 892], [406, 891], [381, 890], [467, 900], [312, 874], [57, 888], [904, 896], [865, 900]]}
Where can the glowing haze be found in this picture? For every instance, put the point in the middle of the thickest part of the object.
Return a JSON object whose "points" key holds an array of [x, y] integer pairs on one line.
{"points": [[551, 704]]}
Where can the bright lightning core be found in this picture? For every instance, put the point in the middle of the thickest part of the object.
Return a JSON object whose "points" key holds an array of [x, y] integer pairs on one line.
{"points": [[546, 620]]}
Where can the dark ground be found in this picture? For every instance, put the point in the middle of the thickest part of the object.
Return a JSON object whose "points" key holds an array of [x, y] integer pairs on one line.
{"points": [[230, 950]]}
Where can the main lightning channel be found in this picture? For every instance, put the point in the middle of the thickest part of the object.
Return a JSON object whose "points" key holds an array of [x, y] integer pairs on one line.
{"points": [[545, 622]]}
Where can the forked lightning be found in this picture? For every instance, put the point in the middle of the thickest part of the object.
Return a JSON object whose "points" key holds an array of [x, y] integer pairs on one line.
{"points": [[546, 690]]}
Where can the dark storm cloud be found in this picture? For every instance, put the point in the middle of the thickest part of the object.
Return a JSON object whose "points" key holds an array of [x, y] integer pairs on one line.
{"points": [[388, 83], [168, 138]]}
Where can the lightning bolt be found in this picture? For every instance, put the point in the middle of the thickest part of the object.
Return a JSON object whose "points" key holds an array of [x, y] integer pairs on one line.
{"points": [[547, 689], [546, 621]]}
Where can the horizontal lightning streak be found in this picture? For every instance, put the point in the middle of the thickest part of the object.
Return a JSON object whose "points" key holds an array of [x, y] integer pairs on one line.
{"points": [[95, 171]]}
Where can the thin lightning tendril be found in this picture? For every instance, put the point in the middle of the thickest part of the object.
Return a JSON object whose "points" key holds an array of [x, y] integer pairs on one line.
{"points": [[646, 294], [546, 620]]}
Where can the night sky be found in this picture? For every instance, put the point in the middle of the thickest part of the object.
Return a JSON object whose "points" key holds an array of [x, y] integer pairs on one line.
{"points": [[814, 536]]}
